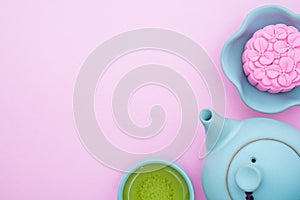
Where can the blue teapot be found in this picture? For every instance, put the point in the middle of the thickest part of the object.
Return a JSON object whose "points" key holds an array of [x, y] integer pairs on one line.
{"points": [[257, 158]]}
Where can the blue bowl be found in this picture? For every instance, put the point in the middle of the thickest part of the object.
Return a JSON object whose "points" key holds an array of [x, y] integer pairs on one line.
{"points": [[157, 161], [231, 60]]}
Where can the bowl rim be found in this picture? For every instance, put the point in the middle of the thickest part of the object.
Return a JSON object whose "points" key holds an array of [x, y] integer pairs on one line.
{"points": [[158, 161], [247, 21]]}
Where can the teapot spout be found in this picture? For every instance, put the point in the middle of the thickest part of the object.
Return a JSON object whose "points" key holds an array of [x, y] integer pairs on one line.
{"points": [[209, 117], [218, 129]]}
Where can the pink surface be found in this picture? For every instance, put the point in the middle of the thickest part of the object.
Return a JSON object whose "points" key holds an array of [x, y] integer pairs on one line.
{"points": [[272, 58], [43, 45]]}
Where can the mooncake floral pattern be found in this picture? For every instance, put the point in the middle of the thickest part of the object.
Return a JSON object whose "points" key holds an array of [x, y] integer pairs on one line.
{"points": [[271, 59]]}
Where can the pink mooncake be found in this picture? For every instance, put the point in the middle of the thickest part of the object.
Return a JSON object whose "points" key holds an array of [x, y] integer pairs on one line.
{"points": [[271, 59]]}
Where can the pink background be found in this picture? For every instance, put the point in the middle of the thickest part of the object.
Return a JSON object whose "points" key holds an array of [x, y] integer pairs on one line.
{"points": [[43, 45]]}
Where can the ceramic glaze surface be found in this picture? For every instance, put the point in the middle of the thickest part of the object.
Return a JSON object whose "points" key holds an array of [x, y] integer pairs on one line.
{"points": [[231, 60], [258, 156]]}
